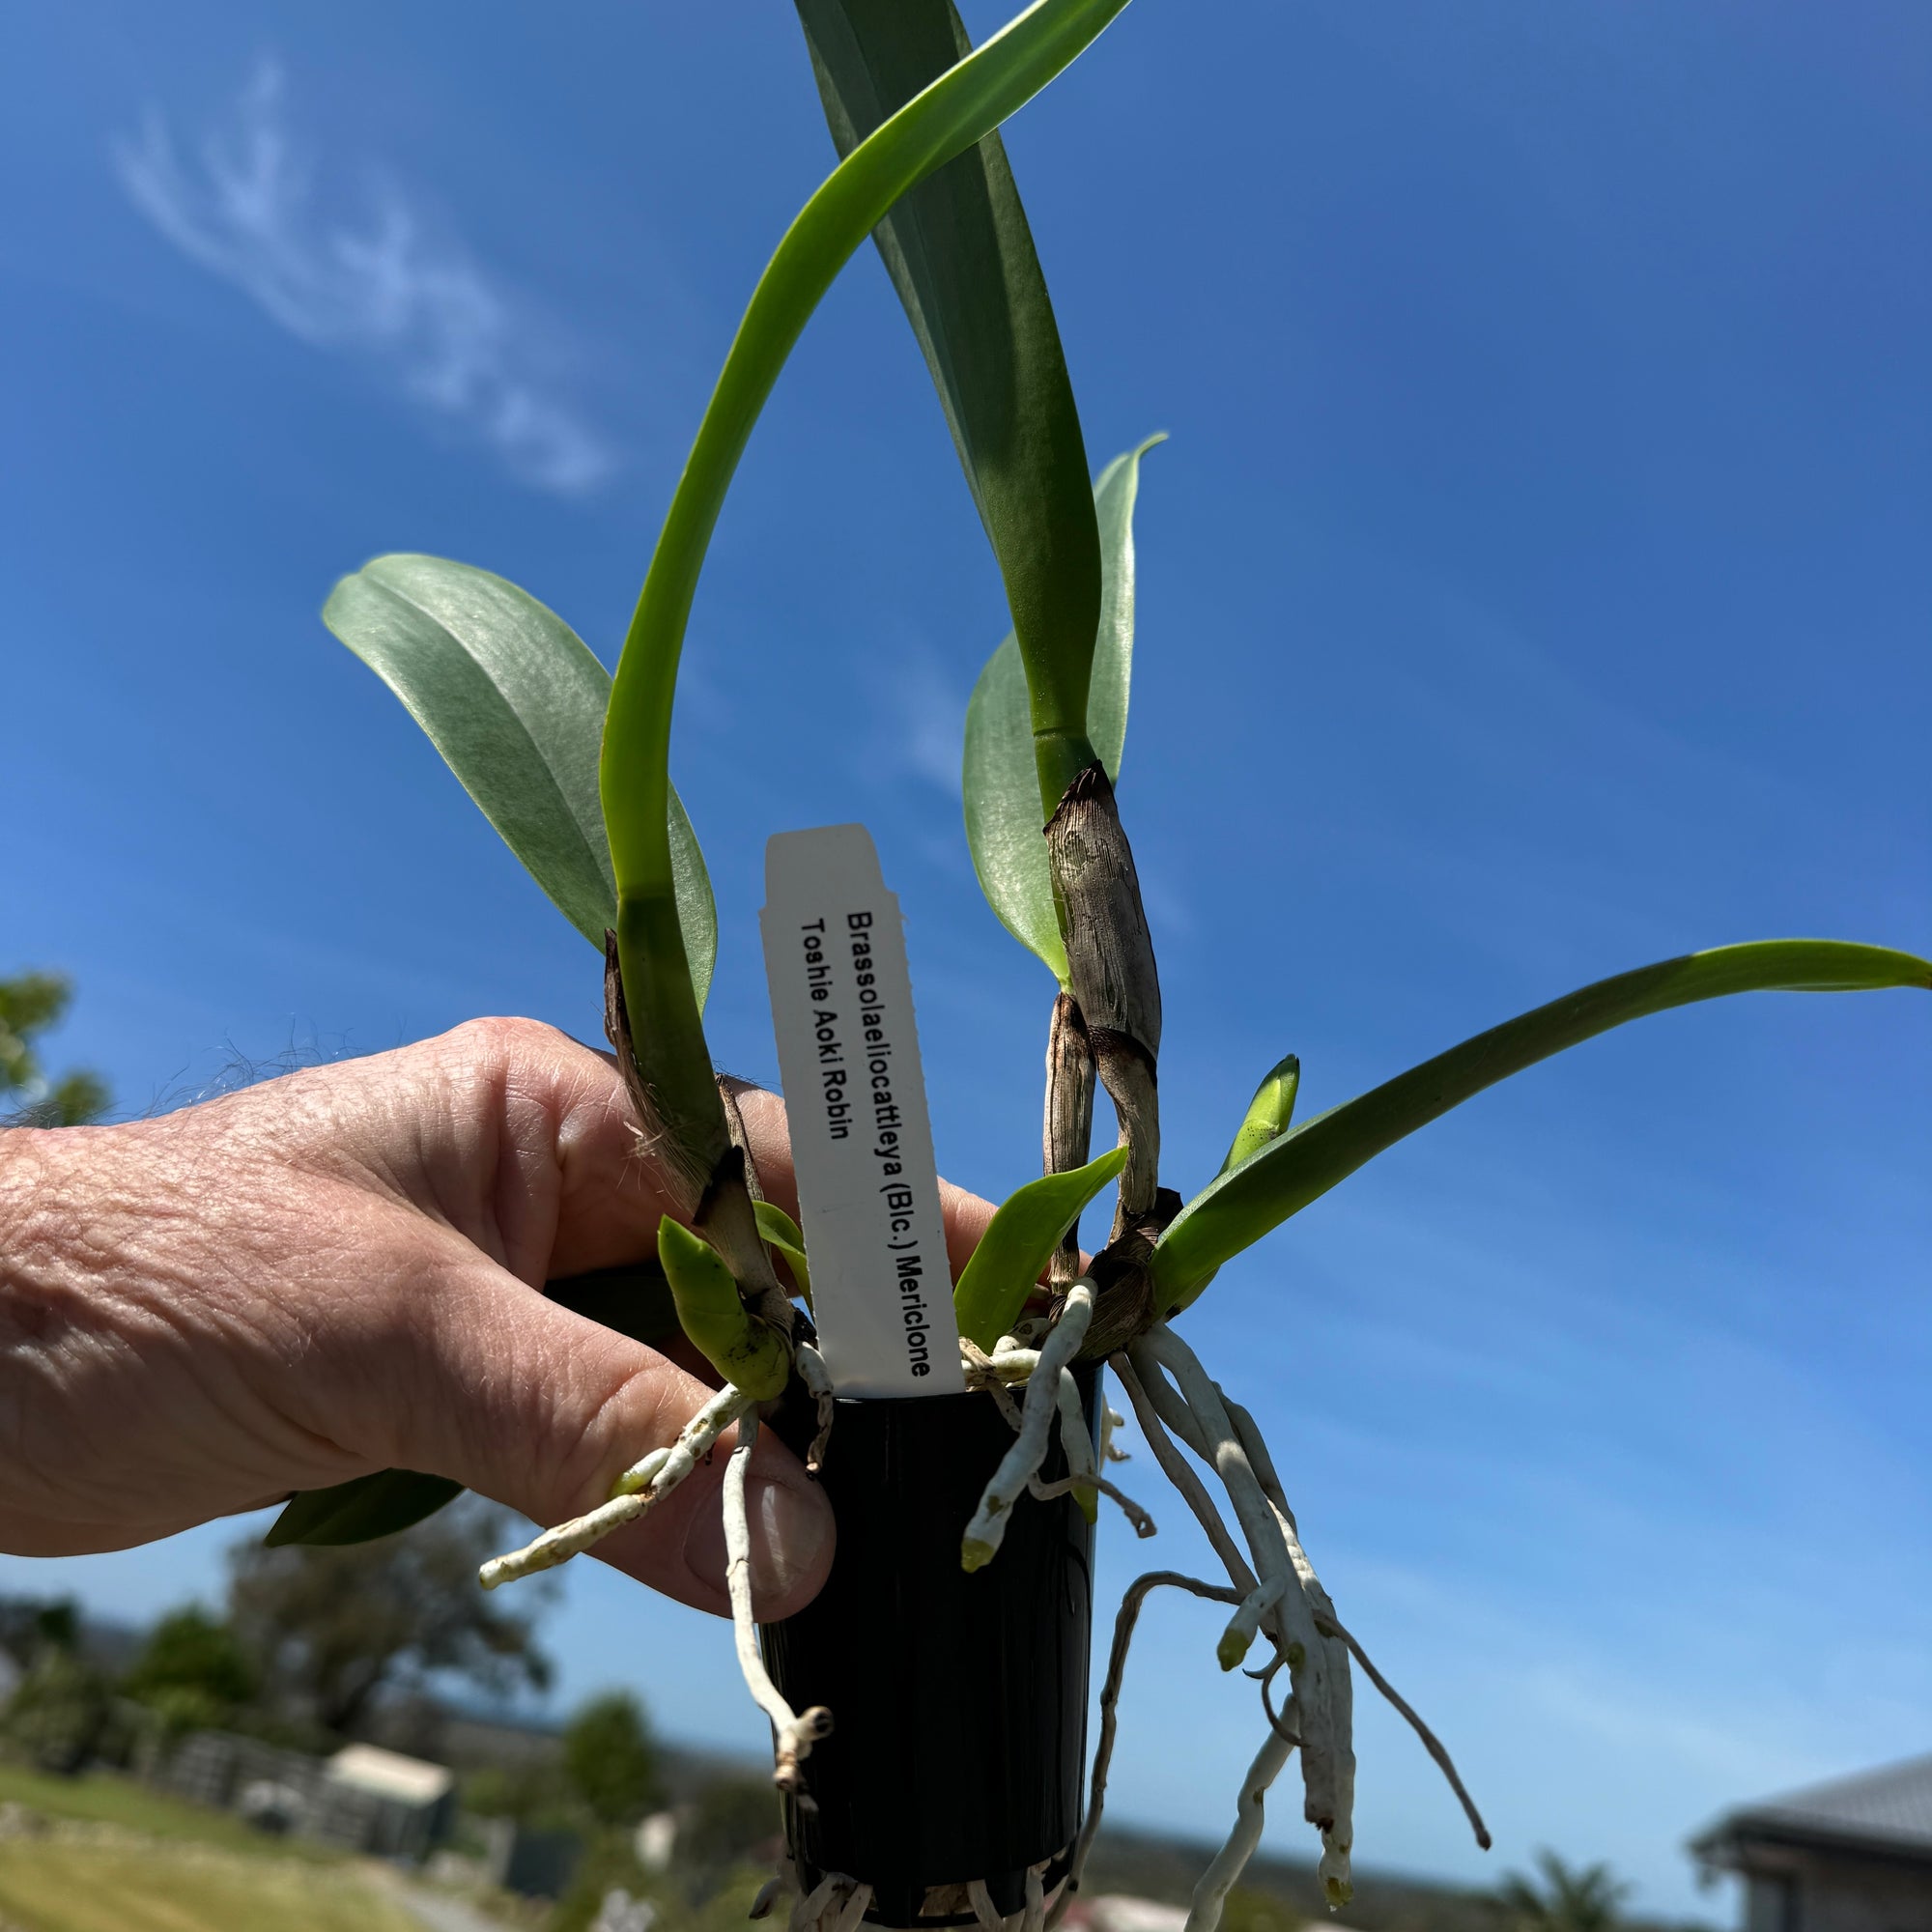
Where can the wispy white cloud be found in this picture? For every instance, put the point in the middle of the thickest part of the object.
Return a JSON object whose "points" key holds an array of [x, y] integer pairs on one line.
{"points": [[928, 720], [384, 288]]}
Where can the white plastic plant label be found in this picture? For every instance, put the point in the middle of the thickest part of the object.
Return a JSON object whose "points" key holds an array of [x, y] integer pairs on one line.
{"points": [[861, 1137]]}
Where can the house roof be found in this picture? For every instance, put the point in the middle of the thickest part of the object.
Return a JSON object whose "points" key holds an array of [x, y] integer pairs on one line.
{"points": [[389, 1774], [1885, 1811]]}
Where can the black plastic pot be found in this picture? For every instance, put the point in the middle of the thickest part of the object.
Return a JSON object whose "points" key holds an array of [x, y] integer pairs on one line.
{"points": [[958, 1702]]}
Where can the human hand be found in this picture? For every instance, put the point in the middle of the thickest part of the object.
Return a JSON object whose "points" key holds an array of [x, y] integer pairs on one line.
{"points": [[337, 1272]]}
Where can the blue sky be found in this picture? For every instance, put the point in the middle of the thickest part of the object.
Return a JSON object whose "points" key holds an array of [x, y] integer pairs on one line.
{"points": [[1535, 583]]}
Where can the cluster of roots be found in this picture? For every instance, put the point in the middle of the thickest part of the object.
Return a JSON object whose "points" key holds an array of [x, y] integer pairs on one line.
{"points": [[1272, 1592]]}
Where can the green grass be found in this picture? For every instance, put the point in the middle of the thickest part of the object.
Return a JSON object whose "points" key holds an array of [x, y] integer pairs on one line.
{"points": [[48, 1885], [106, 1799]]}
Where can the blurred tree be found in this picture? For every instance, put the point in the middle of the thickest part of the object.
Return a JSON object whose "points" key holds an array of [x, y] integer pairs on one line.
{"points": [[333, 1627], [534, 1793], [610, 1863], [1562, 1898], [733, 1820], [28, 1624], [610, 1760], [193, 1672], [63, 1705], [30, 1004]]}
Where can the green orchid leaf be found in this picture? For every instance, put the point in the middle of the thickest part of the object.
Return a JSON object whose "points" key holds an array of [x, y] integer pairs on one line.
{"points": [[965, 103], [514, 701], [360, 1510], [1115, 490], [1019, 1243], [1269, 1112], [741, 1348], [1281, 1178], [961, 257], [1003, 817], [782, 1235], [999, 782], [1267, 1120]]}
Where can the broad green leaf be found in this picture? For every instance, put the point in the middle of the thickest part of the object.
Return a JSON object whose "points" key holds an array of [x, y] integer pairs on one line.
{"points": [[1019, 1243], [781, 1233], [1236, 1210], [362, 1509], [1115, 493], [999, 783], [961, 257], [514, 701], [1003, 817], [968, 101]]}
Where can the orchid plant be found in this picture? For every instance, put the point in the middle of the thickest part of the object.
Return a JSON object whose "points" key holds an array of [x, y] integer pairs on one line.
{"points": [[572, 768]]}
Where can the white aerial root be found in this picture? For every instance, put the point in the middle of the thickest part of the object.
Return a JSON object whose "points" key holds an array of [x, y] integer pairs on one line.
{"points": [[1034, 1917], [794, 1733], [1210, 1894], [982, 1372], [1074, 1441], [1144, 1524], [1177, 1473], [836, 1903], [1430, 1743], [560, 1545], [1318, 1665], [641, 1485], [1083, 1477], [1111, 1420], [1278, 1596], [810, 1910], [853, 1912], [988, 1528], [1110, 1712], [993, 1373], [817, 1380], [1245, 1624], [983, 1908]]}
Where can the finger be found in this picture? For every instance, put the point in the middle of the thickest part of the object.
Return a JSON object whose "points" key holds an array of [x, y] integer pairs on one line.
{"points": [[513, 1396]]}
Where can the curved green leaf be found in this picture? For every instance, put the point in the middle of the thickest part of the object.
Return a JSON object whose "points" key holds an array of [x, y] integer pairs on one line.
{"points": [[1019, 1243], [960, 255], [362, 1509], [966, 102], [1115, 493], [999, 783], [1236, 1210], [1003, 820], [782, 1235], [514, 701]]}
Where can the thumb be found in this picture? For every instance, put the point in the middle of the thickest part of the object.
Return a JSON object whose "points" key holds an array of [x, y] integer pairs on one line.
{"points": [[501, 1391]]}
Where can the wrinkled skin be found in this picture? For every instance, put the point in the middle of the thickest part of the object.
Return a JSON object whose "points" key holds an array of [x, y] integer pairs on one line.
{"points": [[336, 1272]]}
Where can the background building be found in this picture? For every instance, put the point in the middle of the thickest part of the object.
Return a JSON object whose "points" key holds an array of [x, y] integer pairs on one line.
{"points": [[1850, 1856]]}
